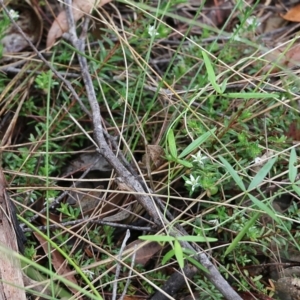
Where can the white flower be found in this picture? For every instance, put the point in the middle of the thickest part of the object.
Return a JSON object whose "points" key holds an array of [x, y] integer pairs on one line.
{"points": [[89, 273], [193, 182], [214, 222], [253, 21], [14, 14], [199, 158], [152, 31], [257, 160]]}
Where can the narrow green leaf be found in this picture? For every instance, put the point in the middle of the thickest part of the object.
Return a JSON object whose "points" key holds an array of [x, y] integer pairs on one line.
{"points": [[251, 95], [261, 174], [172, 143], [211, 73], [196, 238], [296, 188], [224, 85], [168, 256], [178, 253], [265, 208], [197, 264], [238, 180], [185, 163], [292, 168], [238, 238], [196, 143], [157, 238]]}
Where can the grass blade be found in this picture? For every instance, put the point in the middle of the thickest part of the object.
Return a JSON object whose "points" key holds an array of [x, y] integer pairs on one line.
{"points": [[172, 144], [265, 208], [196, 238], [292, 168], [178, 253], [238, 238], [157, 238], [211, 73], [252, 95], [196, 143], [238, 180], [262, 173]]}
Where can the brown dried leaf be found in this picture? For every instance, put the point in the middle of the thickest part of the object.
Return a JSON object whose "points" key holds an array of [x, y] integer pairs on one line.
{"points": [[86, 200], [271, 24], [79, 9], [283, 58], [293, 56], [146, 252], [156, 153], [10, 268], [293, 14], [59, 263], [94, 161]]}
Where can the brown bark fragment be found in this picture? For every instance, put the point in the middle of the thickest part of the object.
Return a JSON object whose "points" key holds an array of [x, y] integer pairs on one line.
{"points": [[10, 269]]}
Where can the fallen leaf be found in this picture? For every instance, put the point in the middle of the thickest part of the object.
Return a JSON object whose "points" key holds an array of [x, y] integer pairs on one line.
{"points": [[94, 161], [293, 56], [10, 267], [144, 253], [282, 58], [79, 9], [156, 154], [294, 131], [293, 14], [271, 24]]}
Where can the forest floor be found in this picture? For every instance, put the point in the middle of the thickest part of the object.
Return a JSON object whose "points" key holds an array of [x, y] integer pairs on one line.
{"points": [[150, 147]]}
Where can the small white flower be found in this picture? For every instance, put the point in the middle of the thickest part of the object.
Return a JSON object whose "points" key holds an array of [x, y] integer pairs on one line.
{"points": [[199, 158], [236, 37], [257, 160], [14, 14], [152, 31], [214, 222], [193, 182], [253, 21], [89, 273]]}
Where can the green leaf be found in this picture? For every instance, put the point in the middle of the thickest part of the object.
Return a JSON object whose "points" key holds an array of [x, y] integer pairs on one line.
{"points": [[261, 174], [196, 263], [252, 95], [211, 73], [265, 208], [196, 238], [224, 85], [178, 253], [292, 168], [172, 143], [238, 238], [296, 188], [238, 180], [168, 256], [157, 238], [185, 163], [196, 143]]}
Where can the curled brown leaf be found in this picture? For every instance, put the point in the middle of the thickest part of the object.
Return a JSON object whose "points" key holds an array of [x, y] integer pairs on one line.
{"points": [[79, 9]]}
